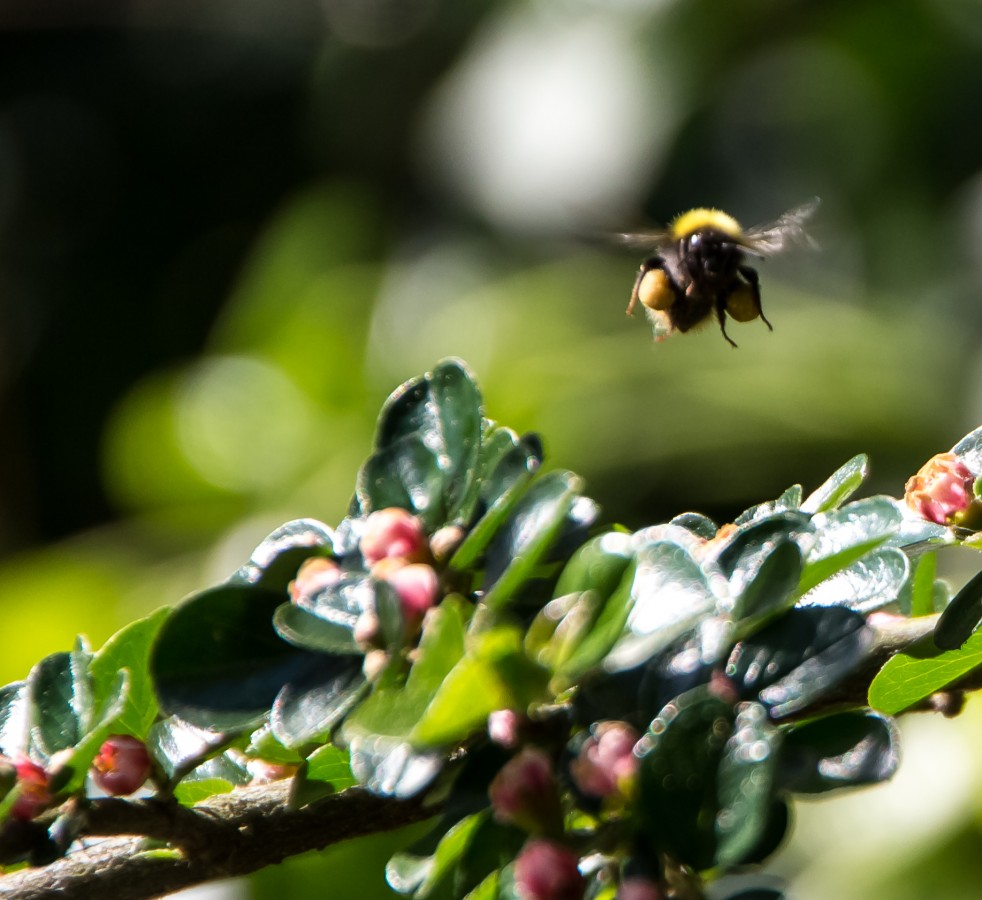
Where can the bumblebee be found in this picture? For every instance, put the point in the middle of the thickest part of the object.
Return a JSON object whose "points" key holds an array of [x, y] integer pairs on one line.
{"points": [[700, 267]]}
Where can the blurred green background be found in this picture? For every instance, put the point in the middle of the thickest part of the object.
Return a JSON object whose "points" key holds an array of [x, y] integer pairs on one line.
{"points": [[228, 230]]}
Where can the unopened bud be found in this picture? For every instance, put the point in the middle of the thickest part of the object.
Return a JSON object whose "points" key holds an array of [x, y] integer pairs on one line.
{"points": [[314, 575], [417, 588], [33, 794], [393, 532], [503, 727], [524, 792], [545, 870]]}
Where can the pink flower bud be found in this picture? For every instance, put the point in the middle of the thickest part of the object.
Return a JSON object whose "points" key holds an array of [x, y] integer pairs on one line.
{"points": [[606, 764], [393, 532], [121, 766], [503, 727], [637, 888], [941, 490], [33, 795], [314, 575], [417, 587], [524, 792], [262, 771], [545, 870]]}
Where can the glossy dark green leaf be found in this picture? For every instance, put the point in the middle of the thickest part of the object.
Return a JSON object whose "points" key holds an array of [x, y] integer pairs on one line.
{"points": [[789, 500], [679, 776], [14, 719], [391, 767], [274, 563], [405, 474], [845, 535], [179, 747], [800, 657], [670, 595], [969, 450], [769, 586], [839, 487], [313, 704], [527, 535], [326, 620], [743, 552], [746, 785], [219, 663], [107, 712], [129, 649], [598, 565], [441, 411], [842, 750], [919, 671], [303, 629], [700, 525], [217, 775], [868, 584], [962, 616], [58, 693]]}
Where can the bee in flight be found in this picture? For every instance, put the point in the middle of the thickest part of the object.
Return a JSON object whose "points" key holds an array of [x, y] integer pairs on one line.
{"points": [[700, 267]]}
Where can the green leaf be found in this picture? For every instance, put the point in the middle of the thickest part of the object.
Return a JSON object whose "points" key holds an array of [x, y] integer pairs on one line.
{"points": [[700, 525], [746, 785], [921, 594], [962, 616], [326, 620], [405, 474], [800, 657], [770, 588], [180, 747], [326, 771], [527, 535], [868, 584], [842, 750], [845, 535], [274, 563], [670, 595], [129, 648], [264, 745], [598, 565], [59, 702], [314, 702], [839, 487], [501, 482], [921, 670], [192, 791], [217, 661], [14, 719], [303, 629], [494, 674], [679, 771], [392, 767]]}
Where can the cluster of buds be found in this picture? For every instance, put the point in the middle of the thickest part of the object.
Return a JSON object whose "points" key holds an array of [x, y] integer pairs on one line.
{"points": [[394, 545], [606, 765], [943, 492]]}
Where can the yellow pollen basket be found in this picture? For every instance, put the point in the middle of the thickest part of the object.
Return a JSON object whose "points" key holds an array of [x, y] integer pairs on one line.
{"points": [[700, 219]]}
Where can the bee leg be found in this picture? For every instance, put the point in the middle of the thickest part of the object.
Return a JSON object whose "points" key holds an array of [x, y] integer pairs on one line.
{"points": [[652, 262], [721, 318], [752, 279]]}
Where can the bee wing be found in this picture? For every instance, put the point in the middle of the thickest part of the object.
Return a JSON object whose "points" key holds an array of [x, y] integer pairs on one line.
{"points": [[645, 239], [783, 232]]}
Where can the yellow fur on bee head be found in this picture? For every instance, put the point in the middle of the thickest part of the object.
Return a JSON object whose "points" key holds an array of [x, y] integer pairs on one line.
{"points": [[699, 219]]}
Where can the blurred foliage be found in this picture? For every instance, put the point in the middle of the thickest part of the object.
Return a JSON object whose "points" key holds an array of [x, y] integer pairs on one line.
{"points": [[310, 202]]}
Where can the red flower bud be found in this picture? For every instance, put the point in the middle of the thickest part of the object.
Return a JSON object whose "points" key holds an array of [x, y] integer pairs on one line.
{"points": [[941, 490], [33, 795], [606, 764], [524, 792], [545, 870], [122, 765], [313, 576], [637, 888], [417, 587], [393, 532]]}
